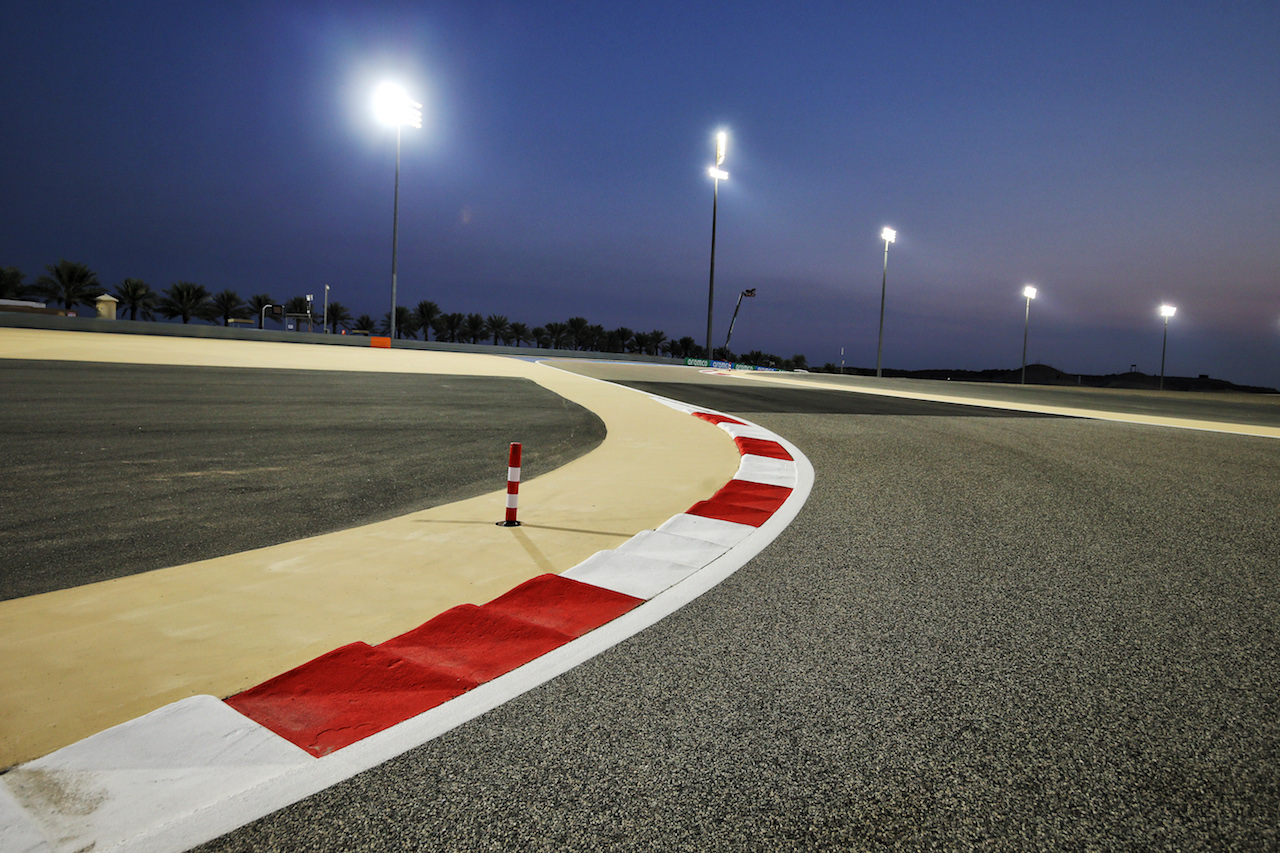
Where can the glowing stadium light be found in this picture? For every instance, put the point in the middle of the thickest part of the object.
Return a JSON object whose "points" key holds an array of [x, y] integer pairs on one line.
{"points": [[1030, 292], [394, 108], [1166, 311], [722, 140], [888, 235]]}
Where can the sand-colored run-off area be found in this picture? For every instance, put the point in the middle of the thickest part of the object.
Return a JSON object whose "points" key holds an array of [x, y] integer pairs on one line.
{"points": [[74, 662]]}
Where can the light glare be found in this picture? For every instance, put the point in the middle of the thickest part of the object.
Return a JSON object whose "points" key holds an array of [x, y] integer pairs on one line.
{"points": [[1029, 291], [394, 108], [722, 140], [888, 235], [718, 174], [1168, 310]]}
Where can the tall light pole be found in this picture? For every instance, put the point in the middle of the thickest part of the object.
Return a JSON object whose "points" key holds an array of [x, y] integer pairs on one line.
{"points": [[393, 107], [719, 175], [324, 323], [888, 235], [1030, 292], [1166, 311]]}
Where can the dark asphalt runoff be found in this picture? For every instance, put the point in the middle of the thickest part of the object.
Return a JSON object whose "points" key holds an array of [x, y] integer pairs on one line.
{"points": [[115, 469], [998, 633]]}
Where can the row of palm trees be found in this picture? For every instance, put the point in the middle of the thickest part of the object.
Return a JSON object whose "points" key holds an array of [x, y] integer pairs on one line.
{"points": [[70, 284], [576, 333]]}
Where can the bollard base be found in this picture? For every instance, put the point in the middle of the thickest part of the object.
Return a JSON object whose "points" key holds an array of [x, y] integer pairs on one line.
{"points": [[508, 523]]}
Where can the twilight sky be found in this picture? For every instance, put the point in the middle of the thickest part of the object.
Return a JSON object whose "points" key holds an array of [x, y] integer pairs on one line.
{"points": [[1115, 154]]}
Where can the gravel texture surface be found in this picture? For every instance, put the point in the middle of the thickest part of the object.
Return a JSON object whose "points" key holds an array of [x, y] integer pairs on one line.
{"points": [[980, 633], [115, 469]]}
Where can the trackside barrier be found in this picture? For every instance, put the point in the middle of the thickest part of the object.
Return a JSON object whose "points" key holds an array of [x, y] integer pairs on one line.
{"points": [[513, 486]]}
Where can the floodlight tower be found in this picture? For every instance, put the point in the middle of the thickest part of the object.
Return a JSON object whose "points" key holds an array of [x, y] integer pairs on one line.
{"points": [[1166, 311], [718, 175], [888, 235], [394, 107], [1030, 292]]}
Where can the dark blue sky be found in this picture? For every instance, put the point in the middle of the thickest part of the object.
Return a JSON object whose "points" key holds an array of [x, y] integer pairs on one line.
{"points": [[1115, 154]]}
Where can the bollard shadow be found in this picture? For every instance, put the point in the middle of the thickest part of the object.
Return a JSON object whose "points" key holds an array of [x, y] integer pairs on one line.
{"points": [[525, 525]]}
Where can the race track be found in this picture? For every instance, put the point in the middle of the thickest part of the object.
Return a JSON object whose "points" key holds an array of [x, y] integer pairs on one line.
{"points": [[983, 630]]}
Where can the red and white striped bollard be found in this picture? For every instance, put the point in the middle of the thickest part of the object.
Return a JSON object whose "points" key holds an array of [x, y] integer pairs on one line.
{"points": [[513, 486]]}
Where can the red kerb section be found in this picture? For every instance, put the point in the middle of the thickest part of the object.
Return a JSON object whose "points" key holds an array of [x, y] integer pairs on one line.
{"points": [[475, 643], [563, 604], [761, 447], [718, 419], [744, 502], [345, 696]]}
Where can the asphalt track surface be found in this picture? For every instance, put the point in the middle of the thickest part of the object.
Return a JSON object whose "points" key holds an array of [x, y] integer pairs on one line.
{"points": [[178, 464], [996, 632]]}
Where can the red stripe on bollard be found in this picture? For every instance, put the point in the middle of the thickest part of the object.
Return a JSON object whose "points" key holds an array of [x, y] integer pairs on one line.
{"points": [[513, 486]]}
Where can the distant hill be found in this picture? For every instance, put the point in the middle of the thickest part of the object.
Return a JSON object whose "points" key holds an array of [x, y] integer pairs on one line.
{"points": [[1043, 374]]}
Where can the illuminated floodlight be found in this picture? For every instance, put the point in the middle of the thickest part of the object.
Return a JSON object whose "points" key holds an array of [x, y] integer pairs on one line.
{"points": [[888, 235], [394, 108], [1166, 311], [1030, 292], [722, 142]]}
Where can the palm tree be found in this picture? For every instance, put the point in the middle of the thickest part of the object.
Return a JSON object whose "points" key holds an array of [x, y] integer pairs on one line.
{"points": [[540, 336], [404, 323], [620, 339], [687, 347], [497, 326], [136, 295], [577, 332], [640, 342], [364, 323], [257, 303], [559, 335], [184, 299], [69, 283], [227, 304], [473, 327], [520, 334], [11, 283], [338, 316], [596, 337], [425, 315], [449, 326], [656, 339]]}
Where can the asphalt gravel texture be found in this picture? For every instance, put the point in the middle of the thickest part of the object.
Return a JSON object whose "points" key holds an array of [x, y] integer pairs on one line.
{"points": [[109, 470], [992, 633]]}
